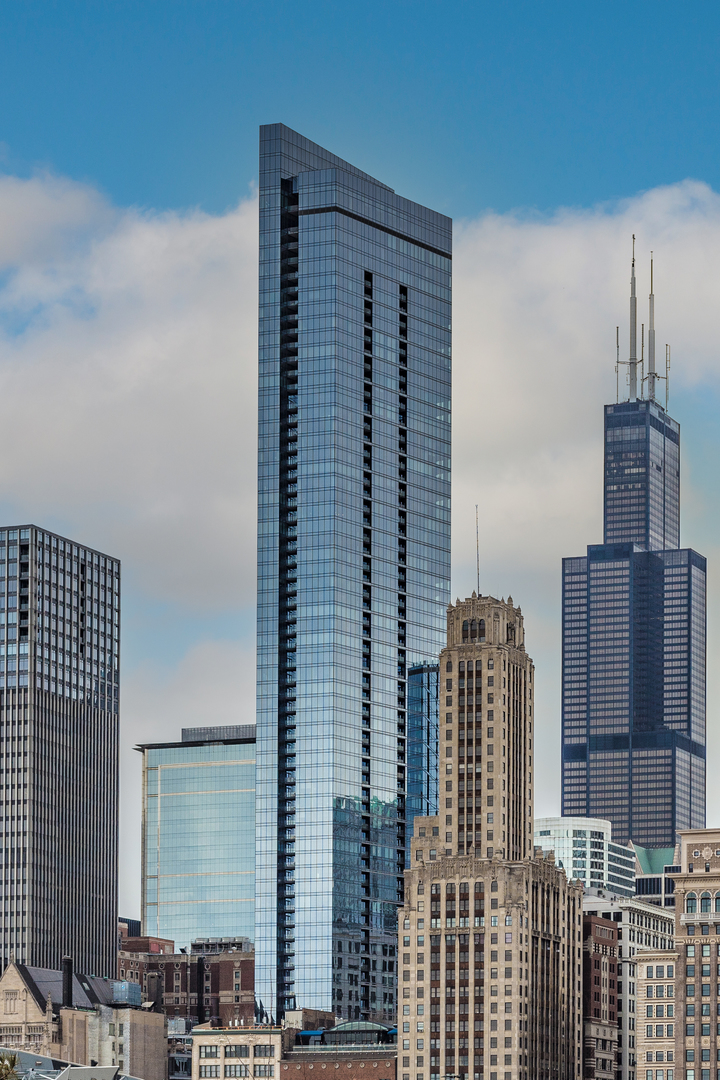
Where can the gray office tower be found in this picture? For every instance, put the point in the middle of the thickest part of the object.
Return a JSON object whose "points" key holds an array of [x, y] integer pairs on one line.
{"points": [[353, 562], [633, 693], [59, 689]]}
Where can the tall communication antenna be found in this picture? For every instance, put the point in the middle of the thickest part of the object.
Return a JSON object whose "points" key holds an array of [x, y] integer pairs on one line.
{"points": [[617, 364], [633, 330], [651, 338], [667, 376], [642, 358], [477, 546]]}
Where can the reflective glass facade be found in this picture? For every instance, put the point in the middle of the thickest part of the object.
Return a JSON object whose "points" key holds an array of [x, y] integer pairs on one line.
{"points": [[422, 746], [642, 476], [353, 562], [59, 730], [634, 646], [584, 849], [198, 854]]}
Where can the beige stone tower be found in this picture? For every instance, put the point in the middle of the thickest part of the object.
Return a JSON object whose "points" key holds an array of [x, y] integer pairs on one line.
{"points": [[486, 737], [490, 947]]}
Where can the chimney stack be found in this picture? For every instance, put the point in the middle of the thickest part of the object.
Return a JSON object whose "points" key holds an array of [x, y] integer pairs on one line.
{"points": [[67, 982]]}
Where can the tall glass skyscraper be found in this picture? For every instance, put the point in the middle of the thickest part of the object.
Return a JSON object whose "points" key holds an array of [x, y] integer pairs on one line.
{"points": [[634, 624], [353, 562], [198, 835]]}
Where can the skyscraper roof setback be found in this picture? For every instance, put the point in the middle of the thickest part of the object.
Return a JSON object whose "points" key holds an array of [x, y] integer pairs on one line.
{"points": [[634, 634], [353, 563]]}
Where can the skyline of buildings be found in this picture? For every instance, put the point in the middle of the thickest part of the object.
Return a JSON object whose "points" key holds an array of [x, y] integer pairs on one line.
{"points": [[634, 628], [342, 812], [353, 557]]}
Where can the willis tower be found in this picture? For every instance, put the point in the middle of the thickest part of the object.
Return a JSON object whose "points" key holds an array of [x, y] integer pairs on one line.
{"points": [[633, 671]]}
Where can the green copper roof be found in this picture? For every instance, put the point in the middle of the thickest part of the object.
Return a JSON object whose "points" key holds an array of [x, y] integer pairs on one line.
{"points": [[654, 860]]}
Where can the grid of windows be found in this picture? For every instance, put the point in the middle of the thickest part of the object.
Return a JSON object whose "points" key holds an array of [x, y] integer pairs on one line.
{"points": [[59, 702], [583, 848], [633, 697], [353, 560], [198, 875]]}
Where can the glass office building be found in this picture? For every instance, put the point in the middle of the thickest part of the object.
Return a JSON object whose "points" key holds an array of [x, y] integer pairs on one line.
{"points": [[353, 562], [198, 835], [634, 645], [59, 731], [584, 848], [423, 770]]}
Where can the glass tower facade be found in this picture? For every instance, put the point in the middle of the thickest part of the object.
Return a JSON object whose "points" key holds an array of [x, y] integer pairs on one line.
{"points": [[634, 645], [422, 745], [59, 730], [198, 856], [353, 562]]}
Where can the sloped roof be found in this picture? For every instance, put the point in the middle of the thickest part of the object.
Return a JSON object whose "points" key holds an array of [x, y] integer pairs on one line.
{"points": [[654, 860], [88, 990]]}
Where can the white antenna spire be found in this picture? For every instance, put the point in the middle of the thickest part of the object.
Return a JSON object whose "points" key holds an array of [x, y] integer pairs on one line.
{"points": [[633, 330], [651, 338]]}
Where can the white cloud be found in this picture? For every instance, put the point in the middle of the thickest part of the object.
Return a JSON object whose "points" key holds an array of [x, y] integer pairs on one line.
{"points": [[128, 384], [128, 390]]}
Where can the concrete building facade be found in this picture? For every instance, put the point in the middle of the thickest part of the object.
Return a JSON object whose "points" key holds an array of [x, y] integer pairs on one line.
{"points": [[697, 943], [80, 1021], [640, 927], [600, 997], [490, 939], [198, 985], [657, 1022], [353, 1050]]}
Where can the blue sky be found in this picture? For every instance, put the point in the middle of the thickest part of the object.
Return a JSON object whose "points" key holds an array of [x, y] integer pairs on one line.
{"points": [[464, 106], [128, 262]]}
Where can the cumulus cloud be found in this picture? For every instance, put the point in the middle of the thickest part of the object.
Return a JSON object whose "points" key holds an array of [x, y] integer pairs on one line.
{"points": [[128, 368], [128, 384]]}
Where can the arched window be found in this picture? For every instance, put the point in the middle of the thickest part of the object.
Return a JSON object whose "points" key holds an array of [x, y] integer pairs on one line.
{"points": [[717, 901], [473, 630], [448, 666], [461, 667], [466, 629], [470, 665], [691, 903], [482, 629], [705, 903]]}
